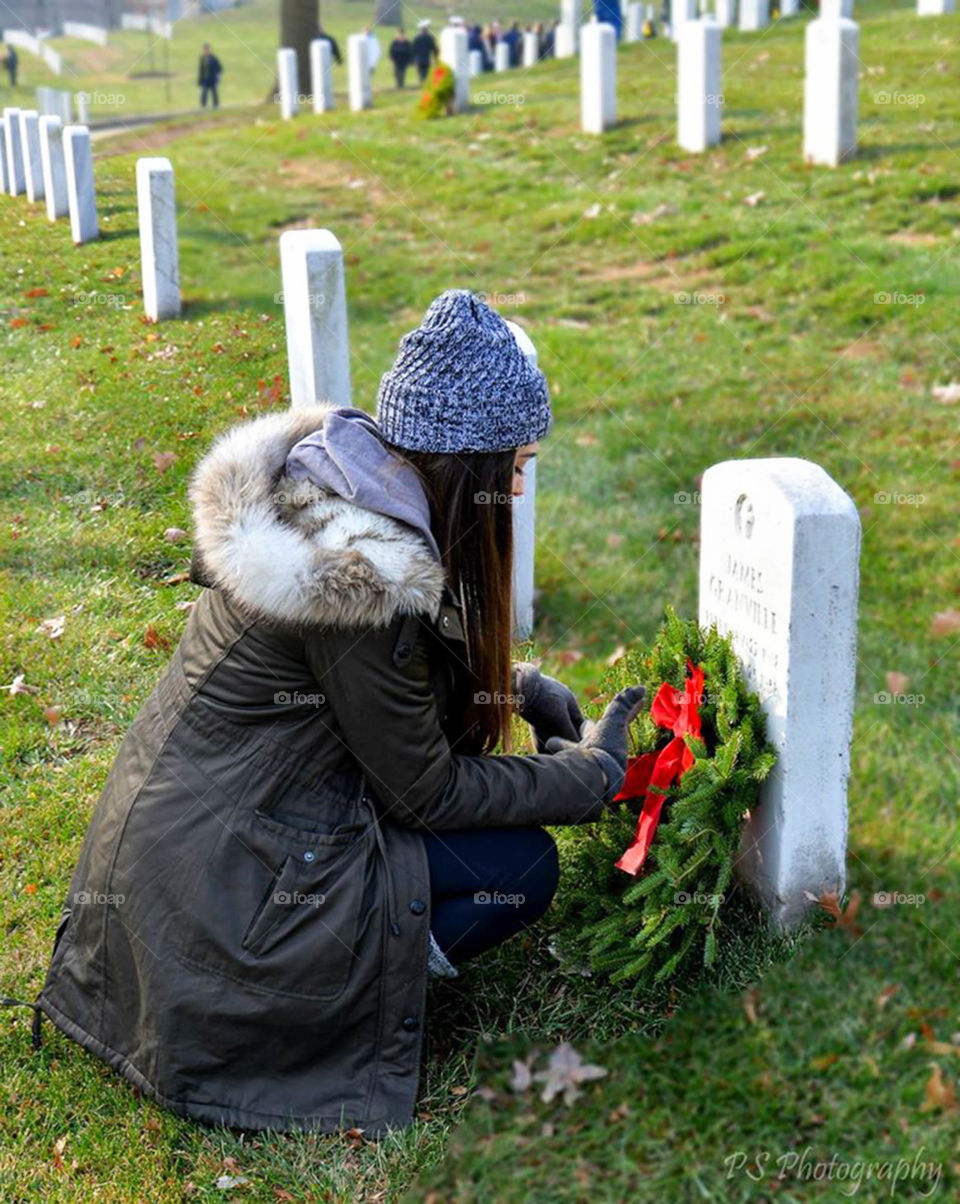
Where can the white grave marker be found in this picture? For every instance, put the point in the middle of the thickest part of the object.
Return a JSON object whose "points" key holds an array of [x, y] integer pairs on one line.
{"points": [[358, 72], [54, 168], [315, 313], [831, 62], [523, 510], [321, 75], [159, 261], [598, 77], [501, 56], [531, 47], [634, 29], [15, 177], [30, 144], [289, 84], [726, 13], [681, 11], [571, 16], [779, 556], [3, 154], [935, 8], [754, 14], [83, 108], [78, 160], [453, 52], [699, 94], [475, 63], [789, 8]]}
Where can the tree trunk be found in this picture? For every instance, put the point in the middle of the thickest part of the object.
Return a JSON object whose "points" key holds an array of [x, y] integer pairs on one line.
{"points": [[298, 27]]}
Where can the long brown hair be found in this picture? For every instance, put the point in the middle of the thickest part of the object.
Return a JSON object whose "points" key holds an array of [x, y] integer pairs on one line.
{"points": [[471, 518]]}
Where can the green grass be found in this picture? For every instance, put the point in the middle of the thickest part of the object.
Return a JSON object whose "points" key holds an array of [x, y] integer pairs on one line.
{"points": [[799, 360]]}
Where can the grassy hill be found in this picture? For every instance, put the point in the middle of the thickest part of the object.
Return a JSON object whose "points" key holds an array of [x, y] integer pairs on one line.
{"points": [[686, 310]]}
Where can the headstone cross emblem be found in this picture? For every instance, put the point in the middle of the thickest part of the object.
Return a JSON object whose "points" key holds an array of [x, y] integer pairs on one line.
{"points": [[743, 516]]}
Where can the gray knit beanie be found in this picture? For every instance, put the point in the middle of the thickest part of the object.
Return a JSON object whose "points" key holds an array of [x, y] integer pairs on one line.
{"points": [[460, 383]]}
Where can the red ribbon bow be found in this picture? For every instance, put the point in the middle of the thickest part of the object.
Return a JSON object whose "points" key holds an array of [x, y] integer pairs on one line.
{"points": [[652, 774]]}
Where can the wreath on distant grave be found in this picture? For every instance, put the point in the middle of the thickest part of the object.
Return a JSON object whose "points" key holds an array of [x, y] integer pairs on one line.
{"points": [[649, 894], [436, 100]]}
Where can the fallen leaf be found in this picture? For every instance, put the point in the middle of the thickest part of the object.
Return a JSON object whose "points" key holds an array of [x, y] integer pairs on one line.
{"points": [[897, 682], [522, 1076], [566, 1070], [615, 654], [946, 622], [754, 152], [887, 994], [36, 292], [750, 1000], [948, 394], [19, 686], [76, 341], [594, 211], [754, 199], [174, 534], [163, 460], [52, 715], [939, 1094], [53, 627], [569, 656], [226, 1182]]}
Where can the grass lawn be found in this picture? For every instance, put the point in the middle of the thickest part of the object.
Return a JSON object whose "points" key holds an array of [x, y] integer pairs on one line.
{"points": [[615, 254]]}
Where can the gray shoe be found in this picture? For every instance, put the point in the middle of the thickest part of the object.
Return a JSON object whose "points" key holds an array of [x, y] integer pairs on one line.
{"points": [[437, 964]]}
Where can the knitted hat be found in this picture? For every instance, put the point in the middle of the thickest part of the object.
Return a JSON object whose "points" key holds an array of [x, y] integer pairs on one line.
{"points": [[460, 382]]}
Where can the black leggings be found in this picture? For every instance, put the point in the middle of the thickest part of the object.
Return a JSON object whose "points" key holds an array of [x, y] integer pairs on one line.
{"points": [[486, 884]]}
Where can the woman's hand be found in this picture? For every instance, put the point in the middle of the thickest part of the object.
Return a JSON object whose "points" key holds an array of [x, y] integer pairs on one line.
{"points": [[606, 737], [550, 707]]}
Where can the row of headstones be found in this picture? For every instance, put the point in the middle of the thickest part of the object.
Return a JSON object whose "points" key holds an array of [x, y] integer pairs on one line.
{"points": [[57, 102], [53, 163]]}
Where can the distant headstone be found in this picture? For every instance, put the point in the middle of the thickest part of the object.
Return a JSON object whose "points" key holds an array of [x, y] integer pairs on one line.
{"points": [[779, 556], [726, 13], [789, 8], [321, 75], [315, 313], [831, 62], [475, 63], [83, 108], [30, 143], [836, 8], [635, 18], [523, 513], [598, 77], [453, 52], [65, 106], [54, 168], [531, 47], [935, 8], [288, 82], [754, 14], [78, 161], [3, 155], [501, 56], [15, 178], [358, 72], [680, 12], [159, 260], [571, 15], [699, 92], [564, 42], [85, 32]]}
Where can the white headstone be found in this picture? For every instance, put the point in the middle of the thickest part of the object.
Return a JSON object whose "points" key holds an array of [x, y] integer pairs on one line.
{"points": [[159, 261], [564, 42], [30, 143], [726, 13], [358, 72], [321, 75], [54, 169], [634, 28], [598, 77], [475, 63], [289, 84], [571, 16], [3, 154], [789, 8], [83, 108], [501, 56], [453, 52], [831, 60], [836, 8], [935, 8], [699, 92], [315, 313], [531, 48], [754, 14], [779, 556], [78, 161], [15, 177], [65, 106], [523, 512], [680, 12]]}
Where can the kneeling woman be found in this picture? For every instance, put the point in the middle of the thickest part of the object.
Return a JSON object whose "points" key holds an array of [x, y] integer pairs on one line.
{"points": [[305, 814]]}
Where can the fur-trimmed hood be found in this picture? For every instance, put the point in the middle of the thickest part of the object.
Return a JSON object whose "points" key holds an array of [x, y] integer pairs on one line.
{"points": [[290, 551]]}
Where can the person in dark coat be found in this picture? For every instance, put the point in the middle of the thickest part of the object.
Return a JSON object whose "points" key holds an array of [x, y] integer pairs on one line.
{"points": [[10, 62], [424, 49], [208, 76], [610, 13], [475, 41], [548, 47], [514, 39], [323, 36], [401, 55], [307, 818]]}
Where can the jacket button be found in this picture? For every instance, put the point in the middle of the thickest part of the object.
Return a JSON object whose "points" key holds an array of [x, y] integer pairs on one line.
{"points": [[411, 1024], [418, 907], [309, 855], [445, 621]]}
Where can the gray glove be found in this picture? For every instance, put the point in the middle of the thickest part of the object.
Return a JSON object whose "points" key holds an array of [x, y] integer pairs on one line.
{"points": [[550, 707], [606, 738]]}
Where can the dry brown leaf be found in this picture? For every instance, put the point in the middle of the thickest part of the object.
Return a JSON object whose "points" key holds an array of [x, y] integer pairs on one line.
{"points": [[750, 1000], [174, 534], [945, 622], [939, 1093], [897, 682], [566, 1069], [53, 627], [947, 394], [887, 994], [19, 686], [163, 460]]}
